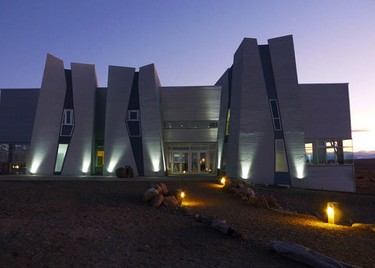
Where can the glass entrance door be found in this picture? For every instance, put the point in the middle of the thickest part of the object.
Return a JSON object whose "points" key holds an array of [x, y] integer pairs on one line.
{"points": [[190, 159], [180, 162]]}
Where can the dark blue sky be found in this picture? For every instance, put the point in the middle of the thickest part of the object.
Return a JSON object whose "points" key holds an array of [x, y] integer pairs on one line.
{"points": [[193, 42]]}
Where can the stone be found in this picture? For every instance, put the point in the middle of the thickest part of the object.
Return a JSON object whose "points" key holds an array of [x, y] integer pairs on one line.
{"points": [[241, 184], [120, 172], [164, 189], [157, 187], [157, 200], [221, 226], [271, 202], [250, 192], [171, 201], [150, 194]]}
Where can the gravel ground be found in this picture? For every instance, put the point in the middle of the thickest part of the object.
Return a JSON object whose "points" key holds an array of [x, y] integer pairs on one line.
{"points": [[105, 224]]}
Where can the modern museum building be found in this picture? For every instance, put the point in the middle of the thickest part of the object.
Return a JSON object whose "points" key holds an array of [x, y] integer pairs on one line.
{"points": [[256, 123]]}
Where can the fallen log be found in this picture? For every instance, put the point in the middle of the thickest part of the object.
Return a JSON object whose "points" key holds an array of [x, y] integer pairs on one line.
{"points": [[305, 255]]}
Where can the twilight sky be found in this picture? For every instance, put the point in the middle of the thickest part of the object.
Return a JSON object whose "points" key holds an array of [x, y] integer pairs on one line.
{"points": [[193, 42]]}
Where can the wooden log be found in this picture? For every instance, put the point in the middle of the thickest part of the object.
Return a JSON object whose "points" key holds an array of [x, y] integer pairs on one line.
{"points": [[305, 255]]}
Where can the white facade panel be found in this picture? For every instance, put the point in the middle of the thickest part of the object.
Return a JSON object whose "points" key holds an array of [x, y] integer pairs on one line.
{"points": [[79, 155], [45, 135], [285, 75], [117, 147], [326, 111], [149, 101], [250, 141]]}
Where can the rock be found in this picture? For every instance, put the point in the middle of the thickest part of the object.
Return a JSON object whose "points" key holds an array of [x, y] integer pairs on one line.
{"points": [[241, 184], [120, 172], [250, 192], [228, 183], [157, 187], [150, 194], [221, 226], [241, 192], [171, 201], [164, 189], [271, 202], [157, 200]]}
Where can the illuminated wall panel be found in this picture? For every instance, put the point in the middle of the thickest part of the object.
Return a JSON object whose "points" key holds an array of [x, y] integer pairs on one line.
{"points": [[78, 158], [149, 100], [285, 75], [250, 141], [117, 147], [45, 134]]}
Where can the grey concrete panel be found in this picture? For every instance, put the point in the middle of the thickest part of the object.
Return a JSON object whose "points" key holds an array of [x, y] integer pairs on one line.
{"points": [[46, 129], [117, 147], [79, 155], [250, 141], [152, 141], [326, 111], [17, 112], [333, 178], [285, 75], [190, 103]]}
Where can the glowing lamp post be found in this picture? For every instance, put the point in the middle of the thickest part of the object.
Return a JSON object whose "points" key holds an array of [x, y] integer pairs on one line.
{"points": [[331, 211]]}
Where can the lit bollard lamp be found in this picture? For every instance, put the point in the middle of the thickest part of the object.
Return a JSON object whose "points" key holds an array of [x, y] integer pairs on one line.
{"points": [[332, 209]]}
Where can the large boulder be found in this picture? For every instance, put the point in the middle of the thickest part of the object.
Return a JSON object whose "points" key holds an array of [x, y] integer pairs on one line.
{"points": [[171, 201], [150, 194], [157, 200]]}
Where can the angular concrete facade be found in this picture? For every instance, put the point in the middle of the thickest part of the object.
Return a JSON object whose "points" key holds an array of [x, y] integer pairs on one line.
{"points": [[256, 123]]}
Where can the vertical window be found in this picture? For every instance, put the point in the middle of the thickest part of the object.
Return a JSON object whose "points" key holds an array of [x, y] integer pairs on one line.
{"points": [[309, 153], [67, 124], [281, 164], [133, 115], [133, 123], [275, 115], [68, 118], [227, 123], [61, 152]]}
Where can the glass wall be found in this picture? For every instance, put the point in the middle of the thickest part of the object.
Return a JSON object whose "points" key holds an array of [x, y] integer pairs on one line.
{"points": [[13, 158], [329, 152]]}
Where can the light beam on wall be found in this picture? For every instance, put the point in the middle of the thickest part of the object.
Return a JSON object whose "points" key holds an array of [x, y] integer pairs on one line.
{"points": [[86, 164], [153, 151], [36, 162], [247, 151], [300, 166]]}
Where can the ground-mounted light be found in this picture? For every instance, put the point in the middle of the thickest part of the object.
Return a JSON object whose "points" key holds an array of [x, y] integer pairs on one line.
{"points": [[332, 211], [180, 195], [222, 181]]}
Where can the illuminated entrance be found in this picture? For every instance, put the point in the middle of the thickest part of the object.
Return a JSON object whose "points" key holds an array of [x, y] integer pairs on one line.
{"points": [[191, 158]]}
